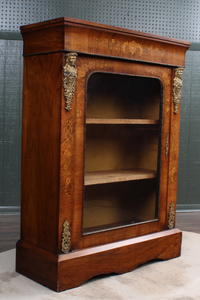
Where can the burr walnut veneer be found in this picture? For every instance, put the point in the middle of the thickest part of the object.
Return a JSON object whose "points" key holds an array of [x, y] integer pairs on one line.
{"points": [[101, 113]]}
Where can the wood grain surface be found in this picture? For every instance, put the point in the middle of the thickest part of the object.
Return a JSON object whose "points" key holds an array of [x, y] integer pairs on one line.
{"points": [[40, 150], [100, 177], [68, 34], [62, 272], [121, 121]]}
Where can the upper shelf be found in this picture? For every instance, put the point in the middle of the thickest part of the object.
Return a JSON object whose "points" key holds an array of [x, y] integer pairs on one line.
{"points": [[110, 176], [121, 121]]}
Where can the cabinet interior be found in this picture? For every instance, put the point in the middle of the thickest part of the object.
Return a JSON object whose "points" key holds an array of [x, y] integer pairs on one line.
{"points": [[122, 140]]}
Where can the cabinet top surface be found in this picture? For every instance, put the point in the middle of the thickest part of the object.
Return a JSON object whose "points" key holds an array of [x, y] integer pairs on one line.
{"points": [[69, 34]]}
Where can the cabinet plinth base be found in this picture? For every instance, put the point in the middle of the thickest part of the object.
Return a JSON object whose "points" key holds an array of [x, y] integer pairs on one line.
{"points": [[66, 271]]}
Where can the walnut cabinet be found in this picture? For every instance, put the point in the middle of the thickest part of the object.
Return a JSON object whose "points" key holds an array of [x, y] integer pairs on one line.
{"points": [[100, 143]]}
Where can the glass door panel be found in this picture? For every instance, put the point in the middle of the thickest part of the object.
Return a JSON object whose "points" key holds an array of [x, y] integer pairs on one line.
{"points": [[121, 151]]}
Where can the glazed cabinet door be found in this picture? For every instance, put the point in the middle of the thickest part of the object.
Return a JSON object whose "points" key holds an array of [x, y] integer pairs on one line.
{"points": [[125, 113], [121, 151]]}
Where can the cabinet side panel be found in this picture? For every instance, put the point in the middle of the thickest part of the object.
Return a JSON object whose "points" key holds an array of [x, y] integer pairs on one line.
{"points": [[40, 150]]}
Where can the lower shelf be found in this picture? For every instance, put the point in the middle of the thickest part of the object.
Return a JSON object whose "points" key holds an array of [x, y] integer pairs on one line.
{"points": [[112, 225], [100, 177], [65, 271]]}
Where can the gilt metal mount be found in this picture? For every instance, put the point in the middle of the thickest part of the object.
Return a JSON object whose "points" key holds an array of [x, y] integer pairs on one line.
{"points": [[171, 220], [177, 88], [66, 237], [69, 81]]}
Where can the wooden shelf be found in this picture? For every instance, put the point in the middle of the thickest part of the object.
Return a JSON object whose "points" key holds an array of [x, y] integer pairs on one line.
{"points": [[101, 177], [121, 121]]}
